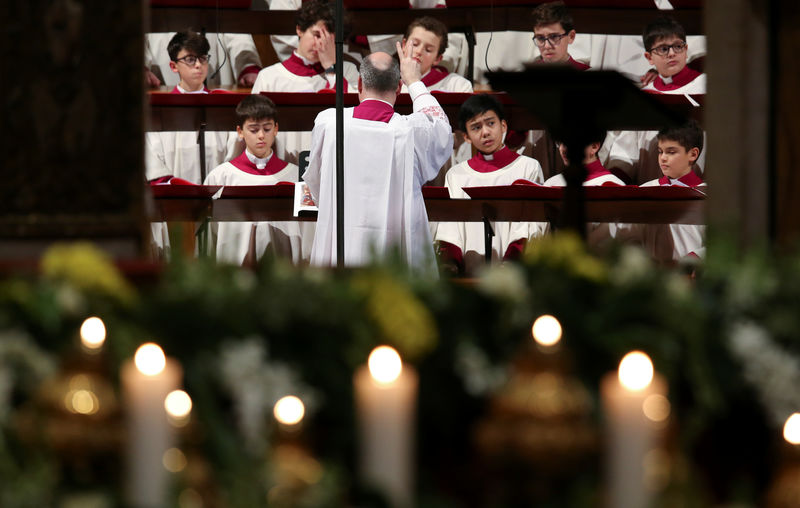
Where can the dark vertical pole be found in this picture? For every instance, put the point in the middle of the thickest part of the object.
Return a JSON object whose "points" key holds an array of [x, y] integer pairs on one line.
{"points": [[339, 136]]}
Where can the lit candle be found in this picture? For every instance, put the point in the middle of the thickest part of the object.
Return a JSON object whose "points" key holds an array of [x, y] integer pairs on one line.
{"points": [[635, 403], [386, 400], [146, 382]]}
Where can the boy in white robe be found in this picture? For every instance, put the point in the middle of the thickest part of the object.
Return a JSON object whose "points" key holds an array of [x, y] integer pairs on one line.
{"points": [[234, 60], [633, 152], [678, 150], [482, 118], [170, 154], [240, 242], [310, 68], [177, 154], [428, 39], [387, 159]]}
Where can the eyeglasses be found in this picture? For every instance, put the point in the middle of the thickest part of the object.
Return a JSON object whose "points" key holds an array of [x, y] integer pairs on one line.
{"points": [[553, 39], [663, 50], [191, 60]]}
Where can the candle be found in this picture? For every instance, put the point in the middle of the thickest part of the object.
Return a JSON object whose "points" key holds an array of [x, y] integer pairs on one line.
{"points": [[146, 382], [635, 403], [385, 396]]}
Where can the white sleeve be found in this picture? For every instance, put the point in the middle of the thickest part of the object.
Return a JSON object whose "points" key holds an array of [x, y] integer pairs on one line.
{"points": [[155, 163], [312, 175], [241, 49], [433, 137]]}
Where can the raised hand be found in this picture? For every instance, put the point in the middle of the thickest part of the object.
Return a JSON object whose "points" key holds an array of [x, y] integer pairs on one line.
{"points": [[326, 47], [409, 66]]}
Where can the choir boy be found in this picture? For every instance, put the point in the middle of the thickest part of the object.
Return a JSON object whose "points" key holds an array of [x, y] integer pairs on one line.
{"points": [[553, 32], [678, 151], [237, 242], [388, 157], [482, 118], [428, 39]]}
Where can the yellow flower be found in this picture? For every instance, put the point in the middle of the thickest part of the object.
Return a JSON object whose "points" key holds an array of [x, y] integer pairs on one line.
{"points": [[87, 268], [401, 317], [565, 251]]}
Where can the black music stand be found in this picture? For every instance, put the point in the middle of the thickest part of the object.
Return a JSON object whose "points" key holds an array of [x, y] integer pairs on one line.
{"points": [[573, 104]]}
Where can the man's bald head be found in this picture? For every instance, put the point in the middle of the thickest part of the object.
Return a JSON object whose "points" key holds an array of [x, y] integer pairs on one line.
{"points": [[380, 73]]}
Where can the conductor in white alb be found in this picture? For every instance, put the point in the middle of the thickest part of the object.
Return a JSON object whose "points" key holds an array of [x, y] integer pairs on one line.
{"points": [[387, 159]]}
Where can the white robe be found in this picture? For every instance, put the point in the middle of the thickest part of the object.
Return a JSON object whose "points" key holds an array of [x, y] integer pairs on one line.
{"points": [[234, 52], [386, 165], [469, 236], [178, 153], [233, 239], [686, 238]]}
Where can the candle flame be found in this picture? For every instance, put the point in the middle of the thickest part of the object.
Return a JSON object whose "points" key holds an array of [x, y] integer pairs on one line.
{"points": [[178, 404], [385, 364], [791, 429], [289, 410], [636, 371], [546, 330], [93, 333], [150, 359]]}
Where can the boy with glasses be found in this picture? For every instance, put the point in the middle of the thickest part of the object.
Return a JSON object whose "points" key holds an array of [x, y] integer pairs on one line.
{"points": [[666, 50], [553, 32]]}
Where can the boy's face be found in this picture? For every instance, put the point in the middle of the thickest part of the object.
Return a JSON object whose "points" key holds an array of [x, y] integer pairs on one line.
{"points": [[544, 36], [674, 160], [309, 40], [192, 76], [673, 61], [425, 48], [258, 135], [486, 132]]}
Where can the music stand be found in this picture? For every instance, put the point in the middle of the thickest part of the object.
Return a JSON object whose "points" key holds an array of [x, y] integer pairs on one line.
{"points": [[572, 105]]}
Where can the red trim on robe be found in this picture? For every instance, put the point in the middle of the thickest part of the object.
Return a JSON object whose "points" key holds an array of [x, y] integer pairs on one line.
{"points": [[450, 253], [683, 78], [577, 65], [178, 91], [250, 69], [501, 158], [295, 65], [514, 250], [594, 170], [160, 180], [690, 179], [436, 74], [273, 165], [374, 110]]}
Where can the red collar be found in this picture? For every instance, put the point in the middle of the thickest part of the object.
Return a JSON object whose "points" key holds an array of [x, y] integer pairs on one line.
{"points": [[371, 109], [273, 165], [295, 65], [683, 78], [576, 64], [690, 179], [178, 91], [436, 74], [595, 170], [500, 159]]}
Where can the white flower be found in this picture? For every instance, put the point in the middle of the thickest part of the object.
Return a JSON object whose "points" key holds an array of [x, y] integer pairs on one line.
{"points": [[772, 371], [504, 281], [632, 266], [22, 363], [478, 374]]}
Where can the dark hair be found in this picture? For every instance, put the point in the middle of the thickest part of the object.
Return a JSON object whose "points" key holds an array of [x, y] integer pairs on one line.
{"points": [[479, 104], [553, 12], [255, 107], [193, 42], [320, 10], [661, 28], [688, 135], [380, 80], [595, 136], [432, 25]]}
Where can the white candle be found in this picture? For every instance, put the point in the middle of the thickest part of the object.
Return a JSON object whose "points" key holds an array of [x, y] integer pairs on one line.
{"points": [[634, 399], [386, 400], [146, 382]]}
